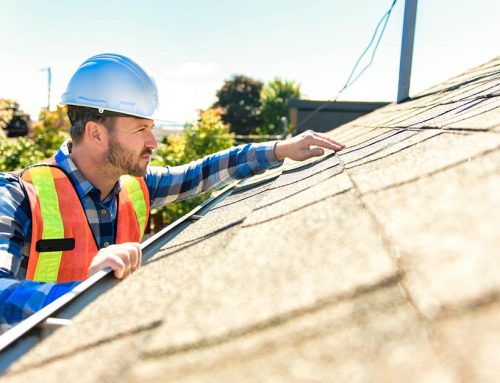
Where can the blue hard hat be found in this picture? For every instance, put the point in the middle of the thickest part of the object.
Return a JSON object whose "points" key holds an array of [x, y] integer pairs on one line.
{"points": [[112, 82]]}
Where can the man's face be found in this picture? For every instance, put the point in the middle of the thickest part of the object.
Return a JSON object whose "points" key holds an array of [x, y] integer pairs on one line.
{"points": [[131, 145]]}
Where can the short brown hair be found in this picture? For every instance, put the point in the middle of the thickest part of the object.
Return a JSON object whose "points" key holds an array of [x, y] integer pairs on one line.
{"points": [[80, 115]]}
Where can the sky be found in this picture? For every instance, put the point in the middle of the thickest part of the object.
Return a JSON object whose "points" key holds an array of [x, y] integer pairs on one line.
{"points": [[190, 47]]}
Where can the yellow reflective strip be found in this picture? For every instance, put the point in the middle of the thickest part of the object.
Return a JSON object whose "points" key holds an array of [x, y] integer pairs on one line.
{"points": [[134, 191], [47, 267], [48, 263]]}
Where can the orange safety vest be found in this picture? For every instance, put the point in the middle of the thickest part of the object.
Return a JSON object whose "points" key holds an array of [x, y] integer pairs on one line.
{"points": [[62, 242]]}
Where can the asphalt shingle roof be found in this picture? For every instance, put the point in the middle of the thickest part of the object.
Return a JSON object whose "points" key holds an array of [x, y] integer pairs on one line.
{"points": [[378, 263]]}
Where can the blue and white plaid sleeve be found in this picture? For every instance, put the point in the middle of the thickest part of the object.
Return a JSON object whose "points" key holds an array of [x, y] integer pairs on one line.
{"points": [[19, 299], [170, 184]]}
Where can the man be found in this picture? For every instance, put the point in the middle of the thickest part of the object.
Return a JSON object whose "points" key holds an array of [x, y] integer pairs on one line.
{"points": [[86, 208]]}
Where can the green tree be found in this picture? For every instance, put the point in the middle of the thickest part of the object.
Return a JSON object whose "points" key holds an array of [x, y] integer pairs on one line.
{"points": [[240, 99], [51, 129], [208, 135], [170, 152], [274, 99], [13, 121], [45, 138], [7, 108], [19, 153]]}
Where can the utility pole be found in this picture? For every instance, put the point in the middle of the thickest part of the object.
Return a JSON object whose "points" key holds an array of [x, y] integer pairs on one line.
{"points": [[405, 62], [49, 83]]}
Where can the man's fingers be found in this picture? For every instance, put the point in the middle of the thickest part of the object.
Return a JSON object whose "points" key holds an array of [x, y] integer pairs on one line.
{"points": [[138, 262], [115, 263], [323, 141], [327, 138], [125, 256], [123, 259], [135, 255], [315, 152], [306, 145]]}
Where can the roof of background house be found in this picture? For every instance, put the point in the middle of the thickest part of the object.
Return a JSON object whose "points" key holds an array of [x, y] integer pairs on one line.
{"points": [[323, 116], [354, 106], [377, 263]]}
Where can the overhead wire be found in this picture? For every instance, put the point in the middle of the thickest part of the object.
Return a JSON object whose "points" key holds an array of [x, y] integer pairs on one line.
{"points": [[383, 21]]}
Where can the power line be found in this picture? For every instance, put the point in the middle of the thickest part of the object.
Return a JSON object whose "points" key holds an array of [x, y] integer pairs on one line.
{"points": [[383, 21]]}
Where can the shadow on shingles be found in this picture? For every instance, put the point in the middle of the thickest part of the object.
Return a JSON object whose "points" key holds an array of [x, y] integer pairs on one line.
{"points": [[452, 97], [463, 109], [310, 163], [354, 133], [278, 319], [389, 154], [457, 112], [290, 183], [301, 190], [420, 101], [332, 155], [96, 343], [435, 104], [368, 155], [472, 116], [432, 173], [187, 244], [365, 132], [254, 193], [459, 85], [370, 142], [298, 208], [412, 114]]}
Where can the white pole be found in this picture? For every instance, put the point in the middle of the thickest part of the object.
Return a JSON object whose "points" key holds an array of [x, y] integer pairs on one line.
{"points": [[49, 73], [410, 16]]}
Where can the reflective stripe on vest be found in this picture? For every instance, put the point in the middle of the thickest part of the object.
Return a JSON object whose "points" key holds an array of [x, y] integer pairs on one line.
{"points": [[136, 195], [48, 262], [62, 243]]}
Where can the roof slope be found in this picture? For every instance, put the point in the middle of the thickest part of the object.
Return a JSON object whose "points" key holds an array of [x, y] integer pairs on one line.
{"points": [[377, 263]]}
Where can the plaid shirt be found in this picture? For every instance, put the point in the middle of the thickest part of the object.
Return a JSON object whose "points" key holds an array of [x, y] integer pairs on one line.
{"points": [[20, 298]]}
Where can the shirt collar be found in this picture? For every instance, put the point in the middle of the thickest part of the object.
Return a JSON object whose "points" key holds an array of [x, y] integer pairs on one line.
{"points": [[83, 186]]}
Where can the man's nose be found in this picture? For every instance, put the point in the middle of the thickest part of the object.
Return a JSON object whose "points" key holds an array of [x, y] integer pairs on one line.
{"points": [[151, 141]]}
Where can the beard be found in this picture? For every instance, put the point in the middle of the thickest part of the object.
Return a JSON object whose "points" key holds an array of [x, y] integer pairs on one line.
{"points": [[126, 160]]}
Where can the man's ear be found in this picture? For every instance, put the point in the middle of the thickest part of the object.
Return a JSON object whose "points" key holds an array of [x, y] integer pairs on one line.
{"points": [[96, 133]]}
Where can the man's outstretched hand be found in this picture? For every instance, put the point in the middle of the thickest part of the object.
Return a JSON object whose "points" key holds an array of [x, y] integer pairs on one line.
{"points": [[304, 146]]}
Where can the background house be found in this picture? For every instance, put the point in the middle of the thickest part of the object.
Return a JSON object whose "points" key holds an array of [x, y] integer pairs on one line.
{"points": [[332, 114]]}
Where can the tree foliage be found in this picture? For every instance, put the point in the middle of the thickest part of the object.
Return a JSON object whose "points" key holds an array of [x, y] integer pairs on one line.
{"points": [[208, 135], [51, 129], [18, 153], [250, 107], [240, 99], [7, 108], [44, 140], [13, 121], [274, 99]]}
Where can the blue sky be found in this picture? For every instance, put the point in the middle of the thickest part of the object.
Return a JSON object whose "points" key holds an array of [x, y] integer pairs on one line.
{"points": [[191, 46]]}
